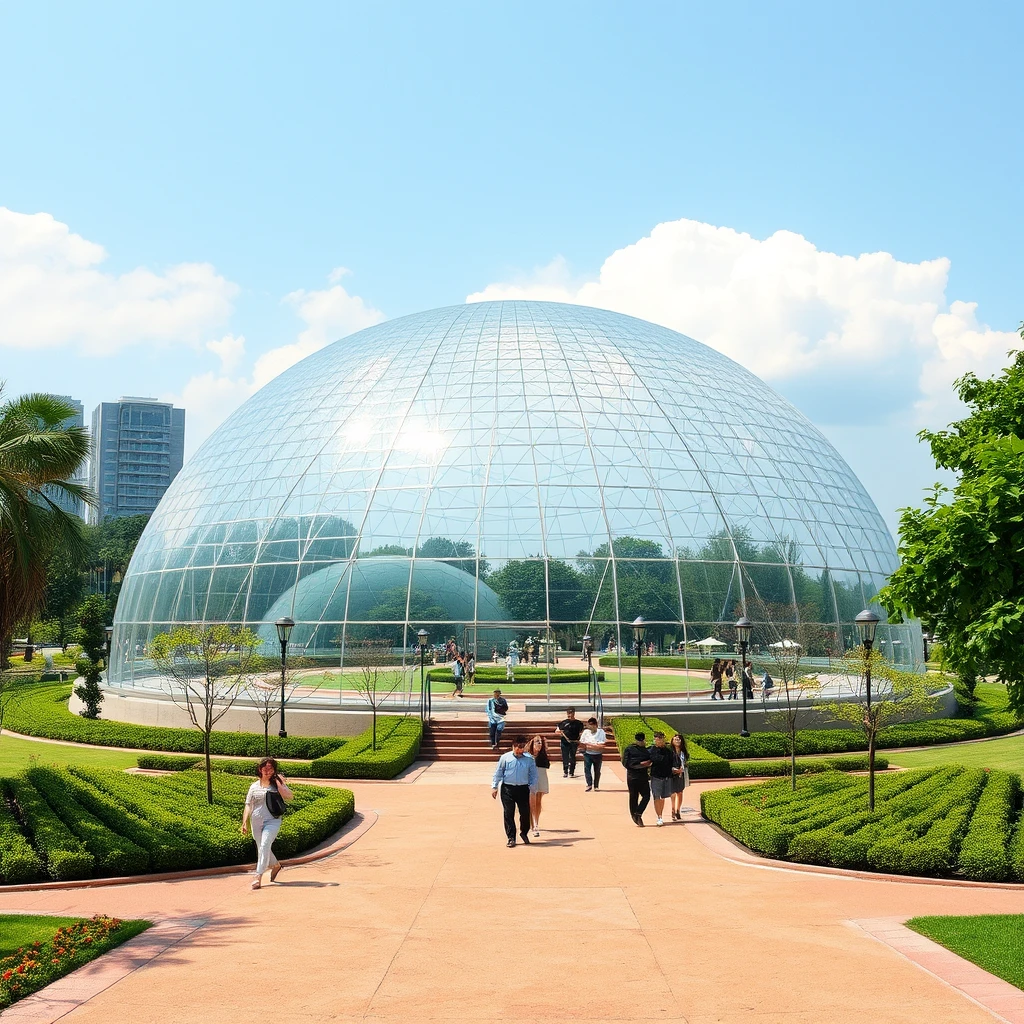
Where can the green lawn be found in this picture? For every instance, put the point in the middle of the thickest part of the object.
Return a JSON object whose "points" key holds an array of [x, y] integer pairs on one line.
{"points": [[1005, 752], [17, 930], [17, 754], [995, 942]]}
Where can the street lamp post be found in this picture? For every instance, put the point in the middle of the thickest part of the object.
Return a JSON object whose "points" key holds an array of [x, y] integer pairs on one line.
{"points": [[926, 639], [639, 630], [284, 631], [423, 636], [743, 630], [588, 653], [866, 623]]}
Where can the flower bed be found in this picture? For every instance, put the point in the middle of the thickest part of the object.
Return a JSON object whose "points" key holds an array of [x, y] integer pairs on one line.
{"points": [[38, 964], [76, 822], [929, 821]]}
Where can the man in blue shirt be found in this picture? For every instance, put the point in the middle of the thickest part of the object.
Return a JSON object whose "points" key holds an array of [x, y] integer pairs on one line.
{"points": [[497, 709], [516, 773]]}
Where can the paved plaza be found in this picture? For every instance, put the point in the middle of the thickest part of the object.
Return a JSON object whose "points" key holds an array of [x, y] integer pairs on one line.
{"points": [[428, 916]]}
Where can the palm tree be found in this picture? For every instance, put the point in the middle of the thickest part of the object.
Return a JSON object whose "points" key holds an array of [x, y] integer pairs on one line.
{"points": [[38, 456]]}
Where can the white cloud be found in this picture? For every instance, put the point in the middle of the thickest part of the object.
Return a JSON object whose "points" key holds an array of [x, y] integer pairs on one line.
{"points": [[328, 314], [787, 310], [54, 293]]}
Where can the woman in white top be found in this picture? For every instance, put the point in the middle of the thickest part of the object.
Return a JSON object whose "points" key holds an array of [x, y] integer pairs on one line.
{"points": [[265, 825]]}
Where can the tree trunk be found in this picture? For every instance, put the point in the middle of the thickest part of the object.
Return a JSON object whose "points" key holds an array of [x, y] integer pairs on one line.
{"points": [[266, 737], [209, 770], [374, 706], [792, 760], [871, 771]]}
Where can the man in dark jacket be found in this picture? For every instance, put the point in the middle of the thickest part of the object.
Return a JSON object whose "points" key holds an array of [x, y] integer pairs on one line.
{"points": [[636, 760], [661, 773]]}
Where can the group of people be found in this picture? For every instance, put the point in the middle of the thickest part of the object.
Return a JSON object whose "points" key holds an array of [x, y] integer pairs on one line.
{"points": [[727, 671], [657, 772], [463, 671], [521, 774]]}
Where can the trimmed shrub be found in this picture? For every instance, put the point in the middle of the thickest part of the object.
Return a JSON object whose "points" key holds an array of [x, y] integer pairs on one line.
{"points": [[18, 861], [806, 766], [920, 824], [656, 661], [309, 825], [398, 744], [114, 854], [1017, 850], [65, 855], [188, 762], [985, 851], [524, 674], [43, 711]]}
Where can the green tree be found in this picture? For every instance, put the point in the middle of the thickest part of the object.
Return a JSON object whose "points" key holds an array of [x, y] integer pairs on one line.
{"points": [[65, 587], [208, 666], [525, 589], [39, 456], [92, 618], [794, 692], [460, 554], [962, 555]]}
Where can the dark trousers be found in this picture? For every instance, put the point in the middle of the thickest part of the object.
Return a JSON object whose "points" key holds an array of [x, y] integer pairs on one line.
{"points": [[568, 757], [639, 795], [592, 768], [511, 798], [495, 732]]}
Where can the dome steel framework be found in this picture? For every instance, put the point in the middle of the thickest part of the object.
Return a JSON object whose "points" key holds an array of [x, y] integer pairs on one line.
{"points": [[510, 468]]}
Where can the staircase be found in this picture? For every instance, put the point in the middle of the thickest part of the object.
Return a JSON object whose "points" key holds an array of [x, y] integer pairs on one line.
{"points": [[462, 740]]}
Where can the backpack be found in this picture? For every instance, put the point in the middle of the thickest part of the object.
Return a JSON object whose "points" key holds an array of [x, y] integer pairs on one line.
{"points": [[501, 707]]}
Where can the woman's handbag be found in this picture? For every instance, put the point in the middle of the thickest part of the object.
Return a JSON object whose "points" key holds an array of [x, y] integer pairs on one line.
{"points": [[275, 802]]}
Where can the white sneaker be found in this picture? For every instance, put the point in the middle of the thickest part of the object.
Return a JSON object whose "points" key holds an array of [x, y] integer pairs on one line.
{"points": [[536, 833], [661, 821]]}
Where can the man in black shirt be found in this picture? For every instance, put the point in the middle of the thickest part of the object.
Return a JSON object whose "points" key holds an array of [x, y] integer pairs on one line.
{"points": [[637, 759], [569, 731], [661, 773]]}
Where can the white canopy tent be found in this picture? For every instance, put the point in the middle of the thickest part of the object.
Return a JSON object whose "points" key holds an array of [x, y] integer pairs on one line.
{"points": [[785, 644], [706, 642]]}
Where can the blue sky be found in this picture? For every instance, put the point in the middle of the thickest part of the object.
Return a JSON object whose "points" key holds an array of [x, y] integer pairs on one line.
{"points": [[438, 150]]}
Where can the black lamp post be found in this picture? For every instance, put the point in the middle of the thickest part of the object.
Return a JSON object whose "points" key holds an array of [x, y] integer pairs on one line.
{"points": [[284, 631], [639, 630], [743, 630], [866, 623], [926, 639], [109, 631], [423, 636], [588, 652]]}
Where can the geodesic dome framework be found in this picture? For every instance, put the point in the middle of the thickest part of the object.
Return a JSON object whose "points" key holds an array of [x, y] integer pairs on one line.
{"points": [[510, 468]]}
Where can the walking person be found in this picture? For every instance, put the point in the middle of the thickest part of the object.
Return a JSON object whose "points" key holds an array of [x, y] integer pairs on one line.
{"points": [[511, 660], [516, 773], [497, 709], [680, 755], [716, 680], [538, 750], [568, 732], [661, 774], [730, 678], [636, 760], [458, 668], [592, 741], [470, 668], [264, 815], [748, 680]]}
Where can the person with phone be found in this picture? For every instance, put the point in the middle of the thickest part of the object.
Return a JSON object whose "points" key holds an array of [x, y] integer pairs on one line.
{"points": [[264, 805]]}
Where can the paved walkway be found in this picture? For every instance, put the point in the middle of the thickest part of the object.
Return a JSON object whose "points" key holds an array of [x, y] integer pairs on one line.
{"points": [[429, 917]]}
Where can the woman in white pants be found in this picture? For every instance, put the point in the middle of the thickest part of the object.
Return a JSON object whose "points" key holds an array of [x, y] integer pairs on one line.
{"points": [[265, 825]]}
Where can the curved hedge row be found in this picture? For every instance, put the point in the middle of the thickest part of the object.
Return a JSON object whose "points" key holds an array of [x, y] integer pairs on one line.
{"points": [[42, 710], [398, 744], [529, 674], [80, 823], [929, 821]]}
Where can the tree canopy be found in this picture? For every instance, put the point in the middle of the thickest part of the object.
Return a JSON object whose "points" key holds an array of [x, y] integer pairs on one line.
{"points": [[962, 555]]}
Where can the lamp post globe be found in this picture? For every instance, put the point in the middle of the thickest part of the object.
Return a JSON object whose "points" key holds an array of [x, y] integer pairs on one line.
{"points": [[743, 630], [284, 632], [639, 632], [423, 637]]}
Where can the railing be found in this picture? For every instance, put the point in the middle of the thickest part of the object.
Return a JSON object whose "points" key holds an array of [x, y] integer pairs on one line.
{"points": [[597, 698]]}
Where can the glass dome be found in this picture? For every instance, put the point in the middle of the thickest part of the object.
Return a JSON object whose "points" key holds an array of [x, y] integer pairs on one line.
{"points": [[506, 469]]}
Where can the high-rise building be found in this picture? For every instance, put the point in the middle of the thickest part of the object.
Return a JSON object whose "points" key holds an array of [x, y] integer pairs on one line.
{"points": [[65, 501], [138, 449]]}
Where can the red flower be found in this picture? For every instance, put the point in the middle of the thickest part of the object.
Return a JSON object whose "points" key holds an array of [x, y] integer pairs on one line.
{"points": [[8, 975]]}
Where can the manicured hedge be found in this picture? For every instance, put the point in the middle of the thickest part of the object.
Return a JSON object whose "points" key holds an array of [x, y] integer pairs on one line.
{"points": [[398, 744], [530, 674], [702, 764], [43, 711], [93, 822], [64, 853], [18, 861], [922, 823], [805, 766], [658, 661], [985, 851], [186, 762]]}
